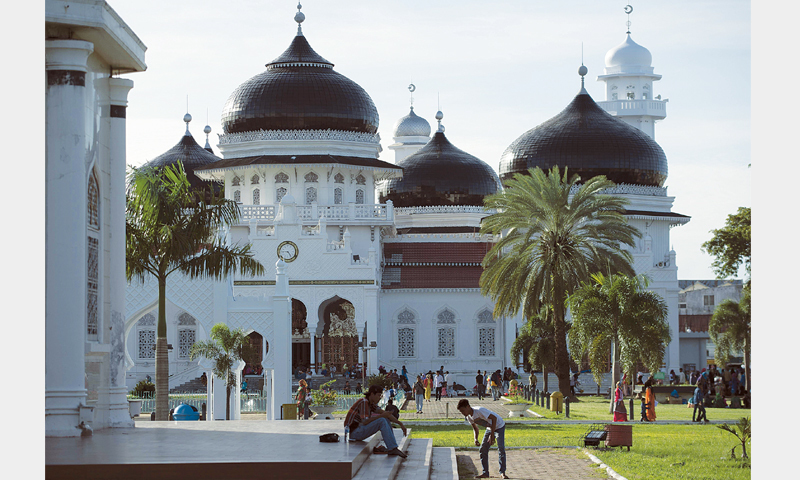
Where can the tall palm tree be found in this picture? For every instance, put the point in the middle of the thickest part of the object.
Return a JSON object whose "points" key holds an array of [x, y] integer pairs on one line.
{"points": [[225, 349], [553, 238], [729, 329], [173, 228], [536, 337], [616, 312]]}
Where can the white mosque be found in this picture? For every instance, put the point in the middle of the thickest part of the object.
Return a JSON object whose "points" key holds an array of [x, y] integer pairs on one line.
{"points": [[368, 261]]}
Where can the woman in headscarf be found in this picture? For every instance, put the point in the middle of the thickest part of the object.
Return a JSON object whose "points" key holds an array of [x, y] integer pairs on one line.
{"points": [[650, 400], [620, 412], [428, 385]]}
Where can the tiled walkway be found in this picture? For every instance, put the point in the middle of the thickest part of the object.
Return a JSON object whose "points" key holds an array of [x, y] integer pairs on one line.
{"points": [[534, 464]]}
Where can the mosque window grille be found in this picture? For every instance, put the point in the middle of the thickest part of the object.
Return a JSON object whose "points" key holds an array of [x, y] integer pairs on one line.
{"points": [[405, 342], [92, 290], [360, 196], [338, 195], [93, 203], [256, 197], [187, 334], [447, 342], [237, 196], [446, 316], [279, 194], [236, 181], [146, 336], [254, 180], [406, 317], [361, 180], [311, 195], [338, 178], [281, 178], [486, 341], [311, 177]]}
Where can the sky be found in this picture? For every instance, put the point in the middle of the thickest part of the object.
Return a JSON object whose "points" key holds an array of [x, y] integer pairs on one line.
{"points": [[495, 69]]}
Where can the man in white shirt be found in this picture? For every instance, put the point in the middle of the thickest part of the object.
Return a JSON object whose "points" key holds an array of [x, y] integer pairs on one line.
{"points": [[495, 430], [448, 383], [437, 385]]}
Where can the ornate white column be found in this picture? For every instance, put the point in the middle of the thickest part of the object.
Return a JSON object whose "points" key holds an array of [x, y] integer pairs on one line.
{"points": [[112, 400], [65, 230], [372, 314], [281, 346]]}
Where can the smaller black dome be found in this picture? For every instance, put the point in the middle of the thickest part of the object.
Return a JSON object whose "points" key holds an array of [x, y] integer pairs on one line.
{"points": [[441, 174], [191, 154], [589, 141]]}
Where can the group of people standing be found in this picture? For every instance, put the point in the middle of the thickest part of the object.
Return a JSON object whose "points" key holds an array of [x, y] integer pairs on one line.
{"points": [[438, 384]]}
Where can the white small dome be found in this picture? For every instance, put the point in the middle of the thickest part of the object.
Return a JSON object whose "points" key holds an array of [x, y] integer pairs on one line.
{"points": [[628, 53], [412, 126]]}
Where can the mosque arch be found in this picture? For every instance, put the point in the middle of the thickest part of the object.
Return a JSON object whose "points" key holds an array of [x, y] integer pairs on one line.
{"points": [[337, 334]]}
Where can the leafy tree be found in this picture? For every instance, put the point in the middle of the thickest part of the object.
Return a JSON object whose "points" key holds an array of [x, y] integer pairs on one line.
{"points": [[225, 348], [729, 329], [536, 337], [731, 245], [553, 238], [173, 228], [617, 312]]}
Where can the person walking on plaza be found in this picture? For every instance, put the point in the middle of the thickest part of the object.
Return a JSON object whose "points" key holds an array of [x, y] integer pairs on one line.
{"points": [[620, 412], [419, 393], [480, 385], [495, 430], [365, 419], [302, 400], [437, 385], [448, 383], [497, 383], [650, 400], [698, 405], [428, 385]]}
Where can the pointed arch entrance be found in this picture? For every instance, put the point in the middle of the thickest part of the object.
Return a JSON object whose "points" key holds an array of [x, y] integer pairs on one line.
{"points": [[253, 370], [301, 338], [337, 334]]}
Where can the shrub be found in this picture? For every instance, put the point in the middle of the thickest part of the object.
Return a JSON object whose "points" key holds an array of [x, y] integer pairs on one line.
{"points": [[381, 380], [143, 388], [323, 395]]}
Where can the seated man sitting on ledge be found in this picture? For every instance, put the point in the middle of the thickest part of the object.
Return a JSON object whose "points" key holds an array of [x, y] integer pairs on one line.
{"points": [[365, 419]]}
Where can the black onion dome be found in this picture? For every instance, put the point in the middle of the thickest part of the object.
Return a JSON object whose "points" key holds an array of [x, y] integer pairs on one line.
{"points": [[191, 154], [591, 142], [299, 91], [440, 174]]}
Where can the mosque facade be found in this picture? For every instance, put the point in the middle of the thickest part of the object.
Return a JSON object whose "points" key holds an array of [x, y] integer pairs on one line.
{"points": [[367, 261]]}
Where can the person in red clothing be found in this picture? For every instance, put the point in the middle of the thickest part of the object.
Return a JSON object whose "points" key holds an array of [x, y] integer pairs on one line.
{"points": [[365, 419]]}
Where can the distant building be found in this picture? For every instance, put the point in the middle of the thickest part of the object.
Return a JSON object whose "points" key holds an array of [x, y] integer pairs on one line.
{"points": [[696, 303]]}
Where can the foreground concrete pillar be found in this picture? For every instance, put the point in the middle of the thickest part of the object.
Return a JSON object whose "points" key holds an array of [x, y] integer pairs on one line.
{"points": [[65, 235]]}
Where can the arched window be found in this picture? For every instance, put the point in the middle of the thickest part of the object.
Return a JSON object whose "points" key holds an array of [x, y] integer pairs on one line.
{"points": [[254, 180], [92, 257], [146, 336], [281, 178], [187, 334], [338, 178], [337, 195], [236, 181], [406, 334], [279, 194], [486, 334], [361, 180], [237, 196], [256, 197], [311, 195], [446, 329], [360, 195], [311, 177]]}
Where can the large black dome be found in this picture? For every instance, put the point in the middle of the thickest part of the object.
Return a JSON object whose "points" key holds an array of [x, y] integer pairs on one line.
{"points": [[299, 91], [591, 142], [440, 174]]}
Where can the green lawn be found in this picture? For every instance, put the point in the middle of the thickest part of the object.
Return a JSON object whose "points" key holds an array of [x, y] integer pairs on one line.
{"points": [[659, 452]]}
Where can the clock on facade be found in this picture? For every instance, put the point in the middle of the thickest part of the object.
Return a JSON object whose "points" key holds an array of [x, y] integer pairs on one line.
{"points": [[288, 251]]}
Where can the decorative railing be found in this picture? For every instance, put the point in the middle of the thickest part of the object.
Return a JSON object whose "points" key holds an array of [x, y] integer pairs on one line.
{"points": [[294, 135], [314, 212], [629, 189], [443, 209]]}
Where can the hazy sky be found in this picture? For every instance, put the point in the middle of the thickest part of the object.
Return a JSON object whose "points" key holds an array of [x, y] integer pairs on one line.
{"points": [[497, 69]]}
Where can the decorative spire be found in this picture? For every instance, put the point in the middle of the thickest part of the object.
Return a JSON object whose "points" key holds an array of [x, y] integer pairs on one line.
{"points": [[439, 116], [411, 89], [187, 118], [582, 71], [628, 10], [299, 17], [207, 130]]}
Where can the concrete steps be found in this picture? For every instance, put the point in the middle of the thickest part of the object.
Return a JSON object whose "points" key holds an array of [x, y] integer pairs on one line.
{"points": [[424, 462]]}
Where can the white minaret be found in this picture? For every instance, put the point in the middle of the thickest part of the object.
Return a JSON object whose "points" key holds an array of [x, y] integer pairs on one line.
{"points": [[410, 134], [629, 78]]}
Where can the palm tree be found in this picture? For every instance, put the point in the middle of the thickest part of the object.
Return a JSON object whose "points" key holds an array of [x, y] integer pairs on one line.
{"points": [[172, 228], [225, 349], [617, 312], [536, 337], [553, 238], [743, 431], [729, 329]]}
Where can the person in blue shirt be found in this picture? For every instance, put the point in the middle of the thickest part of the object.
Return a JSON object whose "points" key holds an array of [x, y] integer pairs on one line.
{"points": [[698, 405]]}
